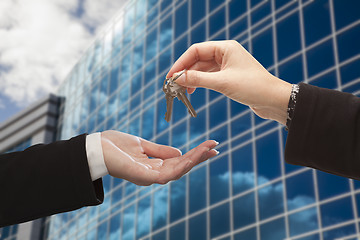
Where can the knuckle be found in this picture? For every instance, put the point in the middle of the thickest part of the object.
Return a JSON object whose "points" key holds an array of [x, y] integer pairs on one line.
{"points": [[193, 78]]}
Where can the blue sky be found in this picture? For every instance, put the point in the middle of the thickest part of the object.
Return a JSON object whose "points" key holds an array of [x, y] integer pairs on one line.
{"points": [[40, 42]]}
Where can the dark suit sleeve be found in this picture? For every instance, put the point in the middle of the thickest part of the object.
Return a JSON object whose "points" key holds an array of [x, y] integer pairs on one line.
{"points": [[324, 132], [46, 179]]}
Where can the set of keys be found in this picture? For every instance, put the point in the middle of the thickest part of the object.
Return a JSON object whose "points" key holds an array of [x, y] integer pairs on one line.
{"points": [[173, 90]]}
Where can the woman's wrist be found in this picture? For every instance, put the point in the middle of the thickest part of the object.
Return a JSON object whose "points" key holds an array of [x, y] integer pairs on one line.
{"points": [[275, 100]]}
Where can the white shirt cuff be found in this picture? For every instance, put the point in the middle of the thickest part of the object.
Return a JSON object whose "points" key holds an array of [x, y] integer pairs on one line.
{"points": [[95, 156]]}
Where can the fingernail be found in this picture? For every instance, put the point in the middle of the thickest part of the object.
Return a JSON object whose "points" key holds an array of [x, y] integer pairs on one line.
{"points": [[217, 152], [217, 143], [179, 151], [181, 79]]}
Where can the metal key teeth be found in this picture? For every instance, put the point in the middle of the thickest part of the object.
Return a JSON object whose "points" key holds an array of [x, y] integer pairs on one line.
{"points": [[181, 96], [169, 107]]}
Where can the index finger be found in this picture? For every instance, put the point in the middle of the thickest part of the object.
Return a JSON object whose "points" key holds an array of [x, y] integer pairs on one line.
{"points": [[204, 51]]}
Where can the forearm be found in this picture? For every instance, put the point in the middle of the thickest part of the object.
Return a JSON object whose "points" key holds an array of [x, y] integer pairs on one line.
{"points": [[273, 100], [46, 179], [323, 133]]}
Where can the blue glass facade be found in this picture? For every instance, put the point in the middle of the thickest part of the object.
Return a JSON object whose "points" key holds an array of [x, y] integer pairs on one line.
{"points": [[246, 192]]}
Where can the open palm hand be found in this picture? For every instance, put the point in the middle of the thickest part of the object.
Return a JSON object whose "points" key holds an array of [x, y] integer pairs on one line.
{"points": [[128, 157]]}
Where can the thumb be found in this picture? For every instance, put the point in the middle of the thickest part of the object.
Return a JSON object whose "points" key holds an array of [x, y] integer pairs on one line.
{"points": [[194, 79]]}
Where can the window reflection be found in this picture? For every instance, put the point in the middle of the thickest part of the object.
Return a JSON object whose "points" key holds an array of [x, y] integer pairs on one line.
{"points": [[94, 98], [300, 190], [263, 48], [115, 227], [152, 15], [166, 32], [125, 67], [340, 233], [336, 212], [197, 227], [288, 36], [118, 33], [114, 78], [292, 71], [138, 59], [198, 125], [161, 109], [244, 210], [179, 111], [219, 180], [128, 223], [181, 19], [163, 139], [198, 34], [129, 18], [239, 27], [179, 135], [316, 21], [273, 230], [218, 112], [268, 158], [136, 83], [200, 10], [197, 198], [177, 199], [159, 236], [347, 43], [312, 237], [217, 21], [271, 200], [220, 135], [151, 4], [164, 61], [263, 10], [135, 126], [304, 221], [180, 47], [102, 230], [331, 185], [247, 234], [143, 217], [151, 44], [320, 58], [177, 232], [140, 9], [160, 199], [124, 94], [108, 42], [219, 220], [243, 177], [328, 80], [112, 105], [148, 123]]}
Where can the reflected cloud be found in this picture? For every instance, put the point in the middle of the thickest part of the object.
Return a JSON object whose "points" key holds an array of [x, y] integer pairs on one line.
{"points": [[160, 207], [128, 223]]}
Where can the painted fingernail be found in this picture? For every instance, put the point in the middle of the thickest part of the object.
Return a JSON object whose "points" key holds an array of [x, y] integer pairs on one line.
{"points": [[216, 151], [217, 143], [179, 151]]}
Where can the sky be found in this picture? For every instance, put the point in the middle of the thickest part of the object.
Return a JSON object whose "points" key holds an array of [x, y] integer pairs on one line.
{"points": [[40, 42]]}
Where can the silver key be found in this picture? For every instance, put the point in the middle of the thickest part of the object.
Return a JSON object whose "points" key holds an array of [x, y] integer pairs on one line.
{"points": [[181, 95], [169, 106], [172, 90]]}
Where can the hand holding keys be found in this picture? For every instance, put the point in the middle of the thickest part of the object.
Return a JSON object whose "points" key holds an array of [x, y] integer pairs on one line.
{"points": [[172, 90]]}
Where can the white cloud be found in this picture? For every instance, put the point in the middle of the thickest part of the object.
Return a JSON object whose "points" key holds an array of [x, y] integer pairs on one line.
{"points": [[42, 40]]}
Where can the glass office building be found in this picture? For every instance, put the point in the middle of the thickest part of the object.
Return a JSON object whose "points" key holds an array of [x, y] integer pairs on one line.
{"points": [[247, 191]]}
